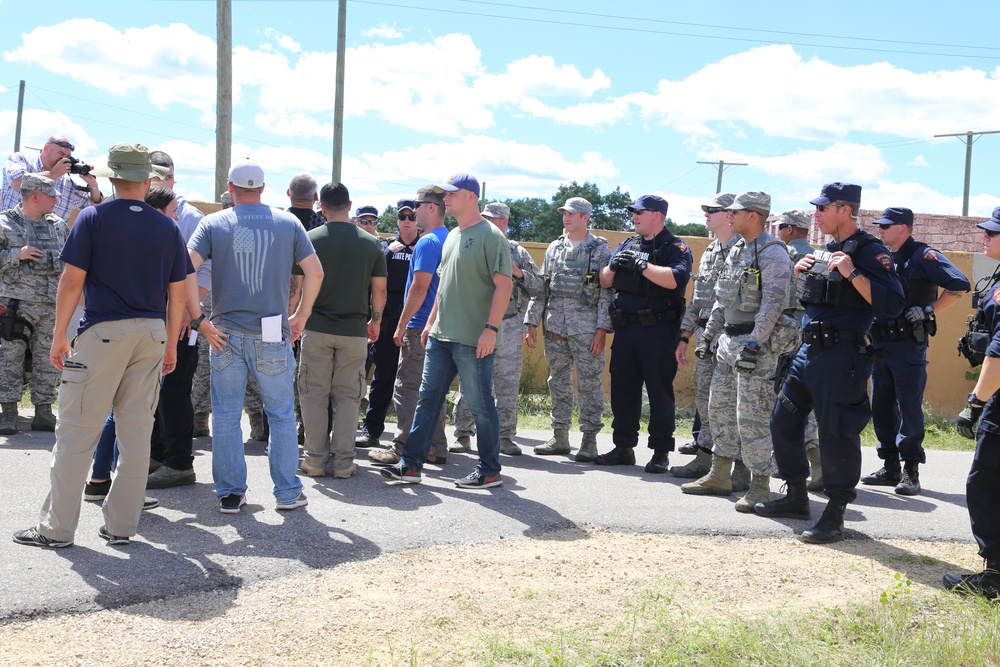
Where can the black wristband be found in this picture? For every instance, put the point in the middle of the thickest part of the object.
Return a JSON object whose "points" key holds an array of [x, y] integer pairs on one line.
{"points": [[685, 339], [197, 322], [492, 328]]}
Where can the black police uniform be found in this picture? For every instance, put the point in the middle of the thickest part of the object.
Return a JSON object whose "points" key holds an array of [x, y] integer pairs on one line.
{"points": [[830, 372], [900, 374], [646, 319], [385, 352]]}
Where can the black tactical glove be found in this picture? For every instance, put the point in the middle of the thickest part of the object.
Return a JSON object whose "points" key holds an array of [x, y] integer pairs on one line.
{"points": [[747, 361], [969, 417], [915, 314], [701, 349], [628, 260]]}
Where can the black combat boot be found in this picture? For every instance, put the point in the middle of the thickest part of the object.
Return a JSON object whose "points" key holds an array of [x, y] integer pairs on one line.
{"points": [[795, 505], [830, 526], [888, 475], [658, 464], [619, 456], [985, 583], [909, 484]]}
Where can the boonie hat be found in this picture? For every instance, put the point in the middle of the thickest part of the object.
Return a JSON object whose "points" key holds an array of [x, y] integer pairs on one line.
{"points": [[993, 224], [721, 200], [246, 174], [38, 183], [130, 162], [838, 192], [576, 205], [461, 181], [496, 210], [751, 201], [896, 216], [796, 217], [649, 203]]}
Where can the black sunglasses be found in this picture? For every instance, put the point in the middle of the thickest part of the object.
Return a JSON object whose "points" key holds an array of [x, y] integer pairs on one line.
{"points": [[714, 210], [990, 233], [785, 225], [64, 144], [406, 216], [883, 227], [823, 207], [417, 203]]}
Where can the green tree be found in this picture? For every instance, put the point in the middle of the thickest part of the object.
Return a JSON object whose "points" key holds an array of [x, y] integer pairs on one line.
{"points": [[387, 221], [690, 229]]}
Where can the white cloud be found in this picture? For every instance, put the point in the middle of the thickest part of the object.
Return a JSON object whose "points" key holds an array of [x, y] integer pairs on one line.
{"points": [[283, 40], [383, 30], [38, 125], [919, 161], [845, 161]]}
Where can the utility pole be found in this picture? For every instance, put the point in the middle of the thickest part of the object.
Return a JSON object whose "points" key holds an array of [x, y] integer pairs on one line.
{"points": [[338, 102], [20, 112], [722, 164], [223, 94], [968, 161]]}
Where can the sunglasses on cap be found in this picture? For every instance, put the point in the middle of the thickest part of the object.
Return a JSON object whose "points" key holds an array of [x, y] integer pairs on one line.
{"points": [[406, 216], [64, 144]]}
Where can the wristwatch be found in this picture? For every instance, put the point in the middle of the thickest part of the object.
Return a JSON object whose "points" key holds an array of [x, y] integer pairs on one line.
{"points": [[492, 328], [197, 322], [854, 274]]}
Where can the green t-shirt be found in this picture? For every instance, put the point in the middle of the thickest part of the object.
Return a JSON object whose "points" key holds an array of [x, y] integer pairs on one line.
{"points": [[350, 257], [469, 259]]}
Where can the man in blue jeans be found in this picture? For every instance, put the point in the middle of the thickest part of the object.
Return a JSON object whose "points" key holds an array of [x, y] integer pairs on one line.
{"points": [[461, 334], [253, 248]]}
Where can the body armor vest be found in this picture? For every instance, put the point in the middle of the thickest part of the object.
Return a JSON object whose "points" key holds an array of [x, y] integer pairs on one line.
{"points": [[654, 251], [44, 235], [703, 294], [575, 276], [820, 285], [919, 291]]}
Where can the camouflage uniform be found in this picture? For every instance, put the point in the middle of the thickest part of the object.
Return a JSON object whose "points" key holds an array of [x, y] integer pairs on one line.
{"points": [[695, 319], [753, 292], [575, 307], [509, 358], [34, 284], [201, 395]]}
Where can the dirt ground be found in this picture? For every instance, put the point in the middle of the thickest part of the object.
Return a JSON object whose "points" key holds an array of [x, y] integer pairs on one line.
{"points": [[439, 606]]}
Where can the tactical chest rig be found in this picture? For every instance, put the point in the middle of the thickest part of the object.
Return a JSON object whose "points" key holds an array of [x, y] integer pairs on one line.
{"points": [[918, 292], [977, 336], [576, 277]]}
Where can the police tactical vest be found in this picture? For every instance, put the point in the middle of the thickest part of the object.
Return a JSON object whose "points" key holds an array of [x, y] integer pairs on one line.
{"points": [[655, 251], [820, 285], [919, 291], [398, 266]]}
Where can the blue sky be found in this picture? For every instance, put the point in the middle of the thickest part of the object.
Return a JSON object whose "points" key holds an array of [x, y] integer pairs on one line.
{"points": [[631, 94]]}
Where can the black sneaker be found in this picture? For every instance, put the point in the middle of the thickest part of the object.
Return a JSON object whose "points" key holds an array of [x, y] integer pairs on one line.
{"points": [[401, 473], [113, 540], [883, 477], [477, 480], [985, 583], [33, 538], [96, 490], [366, 440], [232, 503]]}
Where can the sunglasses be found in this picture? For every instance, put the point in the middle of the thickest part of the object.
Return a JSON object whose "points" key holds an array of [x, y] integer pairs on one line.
{"points": [[785, 225], [64, 144], [406, 216], [417, 203], [367, 223], [883, 227], [714, 210], [991, 234], [823, 207]]}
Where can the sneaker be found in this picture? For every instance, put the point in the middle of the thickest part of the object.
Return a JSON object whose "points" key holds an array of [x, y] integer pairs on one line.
{"points": [[301, 501], [33, 538], [150, 503], [113, 540], [165, 477], [232, 503], [477, 480], [401, 473], [96, 490]]}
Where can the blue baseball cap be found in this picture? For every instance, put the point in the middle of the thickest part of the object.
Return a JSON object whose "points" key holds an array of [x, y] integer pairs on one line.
{"points": [[896, 215], [838, 192], [993, 224], [405, 204], [460, 182], [649, 203], [366, 211]]}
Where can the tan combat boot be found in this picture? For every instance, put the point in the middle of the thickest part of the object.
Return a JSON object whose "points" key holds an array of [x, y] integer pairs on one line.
{"points": [[463, 443], [741, 477], [816, 480], [760, 492], [588, 448], [8, 421], [718, 481], [699, 467], [557, 444], [386, 457], [509, 447]]}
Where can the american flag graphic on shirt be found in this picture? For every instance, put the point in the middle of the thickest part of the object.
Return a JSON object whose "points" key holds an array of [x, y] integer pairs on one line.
{"points": [[250, 247]]}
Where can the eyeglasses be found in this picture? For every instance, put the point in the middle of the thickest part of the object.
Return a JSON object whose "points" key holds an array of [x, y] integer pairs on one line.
{"points": [[64, 144], [417, 203], [823, 207], [713, 209], [991, 233], [406, 216]]}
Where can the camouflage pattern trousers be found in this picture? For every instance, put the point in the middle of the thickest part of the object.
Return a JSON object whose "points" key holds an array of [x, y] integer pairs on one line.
{"points": [[201, 387], [704, 369], [44, 377], [507, 364], [562, 354]]}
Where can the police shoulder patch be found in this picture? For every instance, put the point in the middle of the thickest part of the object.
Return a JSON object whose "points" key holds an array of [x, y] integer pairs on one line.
{"points": [[885, 260], [681, 246], [996, 296], [931, 255]]}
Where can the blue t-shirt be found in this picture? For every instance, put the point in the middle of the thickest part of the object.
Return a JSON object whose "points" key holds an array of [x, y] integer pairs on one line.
{"points": [[131, 253], [253, 248], [426, 257]]}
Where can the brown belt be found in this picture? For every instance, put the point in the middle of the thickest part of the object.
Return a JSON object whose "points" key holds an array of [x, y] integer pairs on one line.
{"points": [[556, 337]]}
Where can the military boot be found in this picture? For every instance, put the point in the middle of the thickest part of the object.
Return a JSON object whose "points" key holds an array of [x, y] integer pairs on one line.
{"points": [[8, 421], [816, 480], [985, 583], [557, 444], [830, 526], [588, 449], [463, 443], [509, 447], [258, 430], [741, 477], [909, 483], [889, 474], [619, 456], [658, 464], [200, 425], [795, 505], [689, 448], [699, 467], [759, 492], [718, 481], [43, 420]]}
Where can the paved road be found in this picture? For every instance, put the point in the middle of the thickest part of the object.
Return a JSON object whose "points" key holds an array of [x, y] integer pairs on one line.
{"points": [[186, 545]]}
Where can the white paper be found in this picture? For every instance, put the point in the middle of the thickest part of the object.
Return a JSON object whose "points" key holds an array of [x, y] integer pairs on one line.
{"points": [[270, 329], [193, 338]]}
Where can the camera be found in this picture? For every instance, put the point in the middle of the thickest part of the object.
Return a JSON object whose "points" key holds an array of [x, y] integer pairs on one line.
{"points": [[77, 167]]}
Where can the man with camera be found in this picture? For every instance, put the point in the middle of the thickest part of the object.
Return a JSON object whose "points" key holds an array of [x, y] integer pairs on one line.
{"points": [[55, 161], [31, 238]]}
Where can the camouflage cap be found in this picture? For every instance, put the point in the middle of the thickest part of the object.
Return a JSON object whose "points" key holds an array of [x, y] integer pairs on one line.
{"points": [[577, 205], [496, 210], [796, 217], [752, 201], [38, 183], [721, 200]]}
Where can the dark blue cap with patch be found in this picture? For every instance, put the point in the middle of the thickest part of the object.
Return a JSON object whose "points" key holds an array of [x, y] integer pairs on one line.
{"points": [[838, 192], [993, 224], [649, 203], [896, 215], [366, 211]]}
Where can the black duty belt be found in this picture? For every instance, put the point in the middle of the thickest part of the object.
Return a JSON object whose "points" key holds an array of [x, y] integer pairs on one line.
{"points": [[740, 329], [646, 318], [824, 335]]}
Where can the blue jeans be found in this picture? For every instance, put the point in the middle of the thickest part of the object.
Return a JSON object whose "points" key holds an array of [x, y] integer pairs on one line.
{"points": [[443, 360], [106, 454], [272, 366]]}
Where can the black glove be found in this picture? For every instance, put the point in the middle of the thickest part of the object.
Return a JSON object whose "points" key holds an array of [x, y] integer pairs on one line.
{"points": [[969, 417], [747, 361], [701, 349], [915, 314], [628, 260]]}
